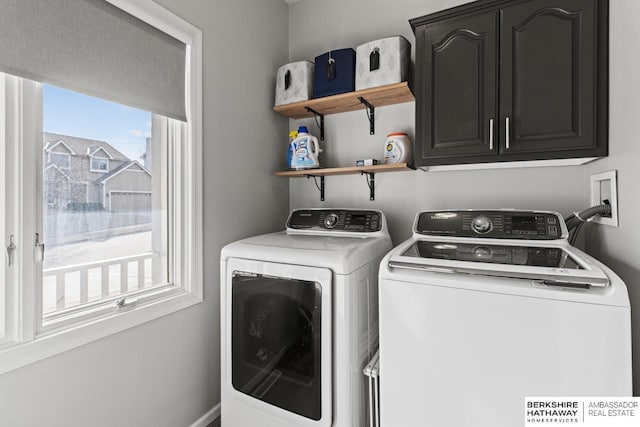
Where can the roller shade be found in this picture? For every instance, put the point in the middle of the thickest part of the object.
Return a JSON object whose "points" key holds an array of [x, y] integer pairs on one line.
{"points": [[91, 46]]}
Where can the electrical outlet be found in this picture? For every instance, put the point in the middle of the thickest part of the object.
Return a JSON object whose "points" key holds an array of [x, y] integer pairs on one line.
{"points": [[604, 187]]}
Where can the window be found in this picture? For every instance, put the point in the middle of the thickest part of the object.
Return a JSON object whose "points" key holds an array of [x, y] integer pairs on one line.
{"points": [[61, 160], [112, 250], [106, 238], [3, 238], [99, 165]]}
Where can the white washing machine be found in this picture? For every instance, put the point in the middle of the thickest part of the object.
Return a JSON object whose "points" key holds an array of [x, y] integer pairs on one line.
{"points": [[300, 320], [480, 309]]}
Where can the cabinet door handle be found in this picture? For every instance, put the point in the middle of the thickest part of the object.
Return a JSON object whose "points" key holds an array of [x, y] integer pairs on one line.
{"points": [[491, 134], [506, 135]]}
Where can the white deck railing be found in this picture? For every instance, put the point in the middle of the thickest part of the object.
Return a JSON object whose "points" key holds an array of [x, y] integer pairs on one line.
{"points": [[73, 285]]}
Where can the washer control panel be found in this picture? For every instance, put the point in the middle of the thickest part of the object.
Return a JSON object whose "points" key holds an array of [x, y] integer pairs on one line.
{"points": [[364, 221], [496, 224]]}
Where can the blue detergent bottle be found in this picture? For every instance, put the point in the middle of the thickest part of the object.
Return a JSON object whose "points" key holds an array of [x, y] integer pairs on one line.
{"points": [[304, 151], [292, 136]]}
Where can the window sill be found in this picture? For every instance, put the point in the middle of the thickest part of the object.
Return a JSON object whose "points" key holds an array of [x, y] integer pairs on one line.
{"points": [[56, 342]]}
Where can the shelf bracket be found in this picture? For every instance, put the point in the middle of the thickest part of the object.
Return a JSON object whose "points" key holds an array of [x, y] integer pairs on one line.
{"points": [[371, 110], [371, 183], [321, 125], [320, 187]]}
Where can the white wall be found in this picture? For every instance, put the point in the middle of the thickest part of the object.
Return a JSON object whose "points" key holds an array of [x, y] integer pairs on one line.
{"points": [[166, 372], [319, 26], [620, 247]]}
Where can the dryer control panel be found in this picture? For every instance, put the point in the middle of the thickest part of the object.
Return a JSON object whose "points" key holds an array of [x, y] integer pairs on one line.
{"points": [[365, 221], [492, 224]]}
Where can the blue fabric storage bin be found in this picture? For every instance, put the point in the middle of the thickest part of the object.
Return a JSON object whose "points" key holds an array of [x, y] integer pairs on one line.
{"points": [[343, 77]]}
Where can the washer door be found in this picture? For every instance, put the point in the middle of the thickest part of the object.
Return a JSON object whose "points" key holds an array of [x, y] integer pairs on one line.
{"points": [[280, 327]]}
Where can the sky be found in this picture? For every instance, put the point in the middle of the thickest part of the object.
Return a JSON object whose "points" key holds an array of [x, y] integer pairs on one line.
{"points": [[74, 114]]}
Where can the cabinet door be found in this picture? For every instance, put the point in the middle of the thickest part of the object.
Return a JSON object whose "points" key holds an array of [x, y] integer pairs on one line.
{"points": [[456, 90], [548, 75]]}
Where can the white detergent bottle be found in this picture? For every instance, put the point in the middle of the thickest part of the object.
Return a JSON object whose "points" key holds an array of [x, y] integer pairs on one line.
{"points": [[304, 151], [397, 148]]}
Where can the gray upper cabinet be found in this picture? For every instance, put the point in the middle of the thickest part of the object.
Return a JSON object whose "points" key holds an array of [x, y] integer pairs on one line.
{"points": [[512, 80]]}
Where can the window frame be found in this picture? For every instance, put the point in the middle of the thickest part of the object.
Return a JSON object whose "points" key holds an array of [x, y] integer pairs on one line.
{"points": [[50, 154], [71, 316], [4, 269], [30, 340], [98, 170]]}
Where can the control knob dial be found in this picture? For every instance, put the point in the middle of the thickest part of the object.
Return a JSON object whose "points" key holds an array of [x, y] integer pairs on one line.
{"points": [[481, 224], [331, 220]]}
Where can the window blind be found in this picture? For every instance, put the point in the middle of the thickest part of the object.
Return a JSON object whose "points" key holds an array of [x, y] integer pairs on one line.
{"points": [[93, 47]]}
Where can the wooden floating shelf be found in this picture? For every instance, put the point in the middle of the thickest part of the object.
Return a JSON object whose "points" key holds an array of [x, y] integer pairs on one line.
{"points": [[370, 99], [396, 93], [370, 171], [348, 170]]}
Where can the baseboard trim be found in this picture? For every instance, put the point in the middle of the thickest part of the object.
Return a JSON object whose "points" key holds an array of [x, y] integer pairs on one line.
{"points": [[207, 418]]}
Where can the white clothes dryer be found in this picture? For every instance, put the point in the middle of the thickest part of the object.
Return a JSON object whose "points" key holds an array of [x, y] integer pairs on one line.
{"points": [[480, 309], [300, 320]]}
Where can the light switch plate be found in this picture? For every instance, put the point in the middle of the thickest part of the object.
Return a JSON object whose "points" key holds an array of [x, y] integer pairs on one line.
{"points": [[604, 186]]}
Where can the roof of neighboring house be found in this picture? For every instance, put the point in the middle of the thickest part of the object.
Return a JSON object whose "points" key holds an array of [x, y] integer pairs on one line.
{"points": [[83, 146], [60, 171], [120, 169], [92, 151], [50, 145]]}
